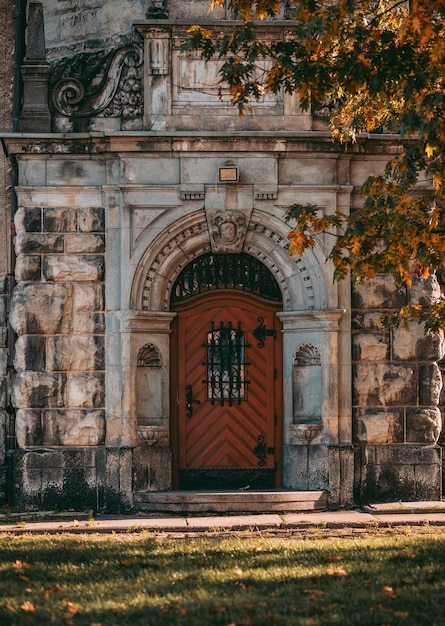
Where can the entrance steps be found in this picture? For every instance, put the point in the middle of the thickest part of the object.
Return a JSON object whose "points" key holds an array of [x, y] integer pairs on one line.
{"points": [[230, 501]]}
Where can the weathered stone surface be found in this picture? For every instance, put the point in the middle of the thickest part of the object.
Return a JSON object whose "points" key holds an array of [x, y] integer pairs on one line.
{"points": [[2, 311], [38, 390], [384, 384], [84, 244], [88, 298], [380, 292], [76, 352], [92, 220], [58, 220], [28, 428], [28, 220], [390, 473], [41, 309], [412, 344], [85, 390], [430, 384], [69, 268], [379, 426], [30, 353], [73, 428], [28, 268], [368, 321], [370, 347], [152, 468], [93, 323], [425, 291], [423, 425], [38, 242], [59, 479], [2, 439]]}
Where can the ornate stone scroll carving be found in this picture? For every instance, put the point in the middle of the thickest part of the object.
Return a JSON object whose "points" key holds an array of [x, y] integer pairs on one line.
{"points": [[228, 230], [118, 95]]}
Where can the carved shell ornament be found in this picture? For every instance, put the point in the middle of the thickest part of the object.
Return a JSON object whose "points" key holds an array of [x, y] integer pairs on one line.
{"points": [[119, 93]]}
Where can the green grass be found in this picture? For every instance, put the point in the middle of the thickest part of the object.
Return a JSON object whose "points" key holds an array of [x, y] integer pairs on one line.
{"points": [[136, 579]]}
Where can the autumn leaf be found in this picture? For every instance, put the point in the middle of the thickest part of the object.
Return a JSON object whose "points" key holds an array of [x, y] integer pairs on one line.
{"points": [[336, 571], [28, 606], [388, 591]]}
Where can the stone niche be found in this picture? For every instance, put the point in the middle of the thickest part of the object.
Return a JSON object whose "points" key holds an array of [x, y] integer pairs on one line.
{"points": [[306, 385]]}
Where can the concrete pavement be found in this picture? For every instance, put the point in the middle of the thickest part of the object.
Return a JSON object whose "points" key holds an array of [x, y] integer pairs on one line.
{"points": [[372, 516]]}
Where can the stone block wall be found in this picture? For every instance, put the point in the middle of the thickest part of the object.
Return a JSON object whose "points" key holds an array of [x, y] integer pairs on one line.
{"points": [[57, 311], [397, 384]]}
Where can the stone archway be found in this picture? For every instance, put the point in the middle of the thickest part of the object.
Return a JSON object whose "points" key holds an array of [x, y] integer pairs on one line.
{"points": [[310, 317]]}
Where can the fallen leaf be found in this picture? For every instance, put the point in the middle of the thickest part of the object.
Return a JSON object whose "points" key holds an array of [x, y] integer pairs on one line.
{"points": [[388, 591], [336, 571], [28, 606], [314, 594], [238, 571]]}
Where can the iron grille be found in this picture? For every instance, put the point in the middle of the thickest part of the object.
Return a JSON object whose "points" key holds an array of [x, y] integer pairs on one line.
{"points": [[211, 271], [226, 365]]}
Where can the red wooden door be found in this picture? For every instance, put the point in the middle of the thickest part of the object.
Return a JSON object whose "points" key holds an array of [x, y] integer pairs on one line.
{"points": [[228, 392]]}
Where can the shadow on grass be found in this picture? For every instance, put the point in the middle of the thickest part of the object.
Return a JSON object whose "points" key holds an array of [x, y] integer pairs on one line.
{"points": [[136, 580]]}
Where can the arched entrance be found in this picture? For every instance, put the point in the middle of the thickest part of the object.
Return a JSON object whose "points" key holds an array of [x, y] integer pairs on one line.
{"points": [[226, 375]]}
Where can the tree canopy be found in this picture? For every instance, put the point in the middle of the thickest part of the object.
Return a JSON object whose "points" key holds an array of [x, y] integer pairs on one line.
{"points": [[375, 66]]}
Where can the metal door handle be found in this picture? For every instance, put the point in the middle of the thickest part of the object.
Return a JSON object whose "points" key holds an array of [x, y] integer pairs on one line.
{"points": [[190, 401]]}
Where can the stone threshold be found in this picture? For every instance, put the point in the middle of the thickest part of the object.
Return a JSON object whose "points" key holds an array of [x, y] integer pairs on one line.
{"points": [[231, 501], [391, 508]]}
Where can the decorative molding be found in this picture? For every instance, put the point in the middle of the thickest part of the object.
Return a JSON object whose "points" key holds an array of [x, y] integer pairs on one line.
{"points": [[305, 433], [193, 195], [149, 356], [119, 94], [307, 354], [266, 196], [228, 231], [154, 435]]}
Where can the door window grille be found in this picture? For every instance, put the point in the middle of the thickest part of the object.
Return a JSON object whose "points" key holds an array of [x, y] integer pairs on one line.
{"points": [[226, 364]]}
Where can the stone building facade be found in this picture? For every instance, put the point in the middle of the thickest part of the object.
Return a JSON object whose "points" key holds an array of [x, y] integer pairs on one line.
{"points": [[165, 337]]}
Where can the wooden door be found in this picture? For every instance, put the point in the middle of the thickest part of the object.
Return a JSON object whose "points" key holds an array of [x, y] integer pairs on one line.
{"points": [[228, 382]]}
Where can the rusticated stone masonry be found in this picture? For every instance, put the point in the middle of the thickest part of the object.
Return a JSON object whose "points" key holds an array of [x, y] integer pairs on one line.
{"points": [[3, 385], [58, 312], [397, 387]]}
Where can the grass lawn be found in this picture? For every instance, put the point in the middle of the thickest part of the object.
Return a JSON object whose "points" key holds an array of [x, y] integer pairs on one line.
{"points": [[136, 579]]}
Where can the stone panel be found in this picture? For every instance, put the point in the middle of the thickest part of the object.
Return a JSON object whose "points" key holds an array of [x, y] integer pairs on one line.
{"points": [[58, 220], [29, 243], [75, 353], [28, 428], [73, 428], [38, 390], [28, 220], [384, 384], [423, 425], [430, 384], [380, 292], [85, 390], [30, 353], [379, 426], [84, 244], [41, 309], [413, 344], [68, 268], [91, 220], [392, 473], [152, 468], [370, 347], [28, 268]]}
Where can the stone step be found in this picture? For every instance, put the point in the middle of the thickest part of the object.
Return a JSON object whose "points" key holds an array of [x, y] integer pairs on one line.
{"points": [[230, 501]]}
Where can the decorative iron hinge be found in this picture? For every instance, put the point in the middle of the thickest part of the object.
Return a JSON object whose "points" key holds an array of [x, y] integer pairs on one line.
{"points": [[261, 450], [261, 332]]}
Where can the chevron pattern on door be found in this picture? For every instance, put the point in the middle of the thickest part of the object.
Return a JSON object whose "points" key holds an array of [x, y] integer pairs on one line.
{"points": [[217, 439]]}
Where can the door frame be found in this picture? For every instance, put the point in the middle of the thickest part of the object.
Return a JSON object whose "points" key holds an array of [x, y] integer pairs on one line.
{"points": [[278, 375]]}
